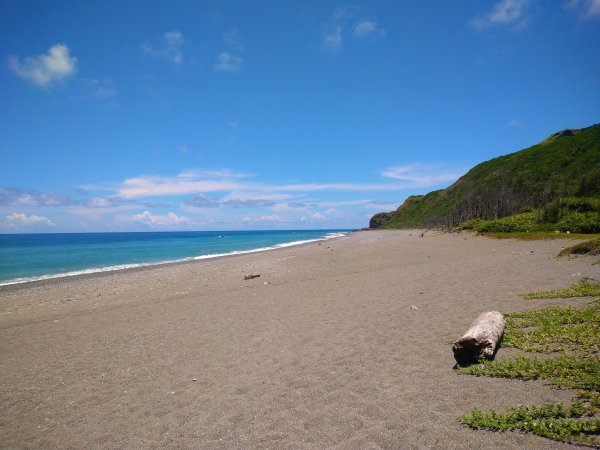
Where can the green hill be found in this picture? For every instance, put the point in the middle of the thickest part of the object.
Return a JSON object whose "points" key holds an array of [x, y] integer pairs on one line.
{"points": [[567, 164]]}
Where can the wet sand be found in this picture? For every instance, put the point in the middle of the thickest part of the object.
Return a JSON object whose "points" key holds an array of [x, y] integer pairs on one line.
{"points": [[339, 344]]}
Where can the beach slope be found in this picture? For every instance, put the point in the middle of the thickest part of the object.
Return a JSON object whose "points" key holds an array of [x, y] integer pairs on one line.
{"points": [[340, 344]]}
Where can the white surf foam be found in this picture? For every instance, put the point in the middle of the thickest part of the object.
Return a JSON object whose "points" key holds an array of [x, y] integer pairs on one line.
{"points": [[157, 263]]}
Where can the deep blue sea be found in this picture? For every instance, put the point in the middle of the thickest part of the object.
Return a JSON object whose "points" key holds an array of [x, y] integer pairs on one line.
{"points": [[27, 257]]}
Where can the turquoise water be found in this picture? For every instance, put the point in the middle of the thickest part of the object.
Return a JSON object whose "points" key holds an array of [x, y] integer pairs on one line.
{"points": [[27, 257]]}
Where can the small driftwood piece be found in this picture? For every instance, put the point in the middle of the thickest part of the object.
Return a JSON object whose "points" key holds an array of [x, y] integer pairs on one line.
{"points": [[249, 277], [481, 339]]}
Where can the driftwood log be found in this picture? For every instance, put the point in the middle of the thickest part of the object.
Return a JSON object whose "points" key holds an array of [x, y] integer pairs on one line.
{"points": [[481, 339], [250, 277]]}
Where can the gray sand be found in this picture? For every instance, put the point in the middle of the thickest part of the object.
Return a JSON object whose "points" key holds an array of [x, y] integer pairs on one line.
{"points": [[323, 350]]}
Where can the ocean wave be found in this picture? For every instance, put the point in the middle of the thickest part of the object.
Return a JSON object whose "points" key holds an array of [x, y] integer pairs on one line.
{"points": [[118, 267]]}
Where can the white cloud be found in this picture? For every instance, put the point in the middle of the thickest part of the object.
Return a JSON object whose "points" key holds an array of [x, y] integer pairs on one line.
{"points": [[223, 181], [287, 207], [233, 39], [202, 201], [513, 123], [419, 175], [382, 205], [98, 208], [333, 38], [274, 218], [246, 195], [332, 41], [99, 202], [169, 47], [345, 12], [314, 217], [239, 192], [505, 12], [364, 28], [155, 220], [160, 186], [226, 62], [17, 220], [18, 197], [44, 70], [342, 203], [99, 88], [223, 173], [345, 19], [588, 9], [25, 200]]}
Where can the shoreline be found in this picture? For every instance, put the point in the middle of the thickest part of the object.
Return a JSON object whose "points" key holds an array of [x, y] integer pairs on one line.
{"points": [[93, 271], [338, 344]]}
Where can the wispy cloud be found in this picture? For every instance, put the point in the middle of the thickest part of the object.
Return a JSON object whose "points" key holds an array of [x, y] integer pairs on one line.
{"points": [[230, 60], [97, 209], [218, 173], [345, 13], [587, 9], [100, 202], [505, 12], [378, 205], [332, 41], [365, 187], [345, 20], [364, 28], [19, 197], [44, 70], [168, 47], [333, 35], [19, 220], [419, 175], [512, 123], [249, 203], [156, 220], [203, 182], [315, 217], [163, 186], [233, 39], [272, 218], [226, 62], [99, 88], [203, 201]]}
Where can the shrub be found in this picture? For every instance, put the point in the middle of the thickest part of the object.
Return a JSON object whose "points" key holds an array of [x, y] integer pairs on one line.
{"points": [[527, 221], [584, 248], [576, 222], [559, 208]]}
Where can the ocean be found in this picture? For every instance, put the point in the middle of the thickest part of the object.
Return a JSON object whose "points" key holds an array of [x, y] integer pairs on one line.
{"points": [[29, 257]]}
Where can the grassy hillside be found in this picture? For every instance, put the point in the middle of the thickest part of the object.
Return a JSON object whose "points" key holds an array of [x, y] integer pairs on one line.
{"points": [[567, 164]]}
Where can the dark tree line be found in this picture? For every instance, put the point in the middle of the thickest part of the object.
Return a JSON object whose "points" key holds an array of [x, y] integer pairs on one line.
{"points": [[493, 204]]}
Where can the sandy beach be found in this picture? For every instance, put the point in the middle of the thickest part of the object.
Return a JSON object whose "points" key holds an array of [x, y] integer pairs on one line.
{"points": [[340, 344]]}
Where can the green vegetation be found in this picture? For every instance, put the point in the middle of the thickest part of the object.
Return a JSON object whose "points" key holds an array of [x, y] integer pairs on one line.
{"points": [[556, 329], [524, 222], [566, 165], [569, 215], [562, 371], [537, 235], [573, 334], [585, 288], [585, 248], [556, 421]]}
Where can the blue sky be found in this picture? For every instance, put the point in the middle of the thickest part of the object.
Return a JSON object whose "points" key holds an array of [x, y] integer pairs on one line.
{"points": [[207, 115]]}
